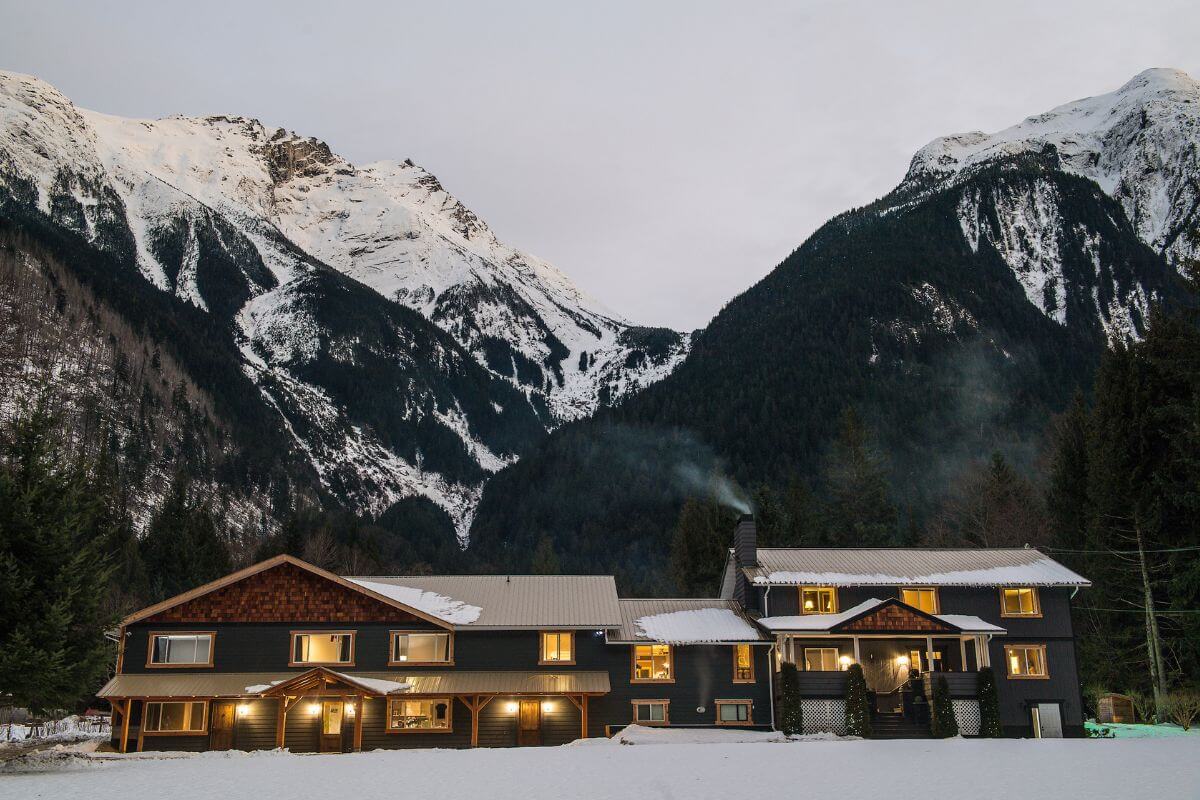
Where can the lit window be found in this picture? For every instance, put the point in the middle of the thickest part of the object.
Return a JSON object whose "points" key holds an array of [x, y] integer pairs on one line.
{"points": [[181, 649], [1026, 660], [175, 717], [821, 659], [652, 663], [419, 715], [316, 647], [651, 712], [743, 664], [818, 600], [733, 712], [558, 647], [924, 599], [1020, 602], [917, 658], [420, 648]]}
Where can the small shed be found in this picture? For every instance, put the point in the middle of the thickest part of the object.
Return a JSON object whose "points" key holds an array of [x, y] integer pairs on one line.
{"points": [[1114, 707]]}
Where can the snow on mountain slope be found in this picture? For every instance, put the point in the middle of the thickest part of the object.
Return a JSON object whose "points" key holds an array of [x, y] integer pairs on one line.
{"points": [[1140, 144], [249, 223]]}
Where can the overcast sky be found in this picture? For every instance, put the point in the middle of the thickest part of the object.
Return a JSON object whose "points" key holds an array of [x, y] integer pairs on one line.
{"points": [[664, 155]]}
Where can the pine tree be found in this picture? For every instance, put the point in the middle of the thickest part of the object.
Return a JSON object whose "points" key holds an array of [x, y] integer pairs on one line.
{"points": [[182, 548], [545, 559], [989, 705], [698, 548], [791, 711], [860, 511], [54, 572], [943, 724], [858, 703]]}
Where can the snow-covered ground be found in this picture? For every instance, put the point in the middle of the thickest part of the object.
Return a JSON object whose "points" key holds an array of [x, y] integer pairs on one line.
{"points": [[1065, 768], [1123, 730]]}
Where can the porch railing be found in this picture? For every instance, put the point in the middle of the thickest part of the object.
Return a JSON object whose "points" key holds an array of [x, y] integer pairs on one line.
{"points": [[961, 684]]}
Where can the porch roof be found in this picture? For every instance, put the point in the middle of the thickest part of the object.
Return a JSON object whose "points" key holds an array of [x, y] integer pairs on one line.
{"points": [[829, 623], [449, 682]]}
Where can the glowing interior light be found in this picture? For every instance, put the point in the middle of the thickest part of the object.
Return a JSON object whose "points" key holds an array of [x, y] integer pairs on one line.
{"points": [[404, 658], [808, 605], [243, 710]]}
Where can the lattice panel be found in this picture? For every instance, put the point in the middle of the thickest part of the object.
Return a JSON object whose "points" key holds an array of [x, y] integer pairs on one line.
{"points": [[824, 715], [966, 713]]}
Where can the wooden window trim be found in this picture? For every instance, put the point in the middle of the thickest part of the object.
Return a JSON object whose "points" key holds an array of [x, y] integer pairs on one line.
{"points": [[1037, 603], [292, 649], [542, 662], [1045, 676], [433, 698], [149, 701], [837, 656], [753, 676], [836, 600], [633, 678], [735, 724], [212, 649], [666, 720], [937, 597], [449, 662]]}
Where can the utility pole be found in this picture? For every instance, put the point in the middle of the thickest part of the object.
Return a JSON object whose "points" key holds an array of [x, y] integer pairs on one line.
{"points": [[1158, 678]]}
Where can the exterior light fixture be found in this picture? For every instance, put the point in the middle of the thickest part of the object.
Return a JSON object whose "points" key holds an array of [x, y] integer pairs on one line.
{"points": [[314, 708], [243, 709], [902, 661], [547, 706], [349, 709], [845, 662], [510, 707]]}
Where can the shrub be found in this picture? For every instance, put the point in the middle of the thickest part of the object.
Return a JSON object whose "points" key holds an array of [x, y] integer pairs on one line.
{"points": [[941, 717], [858, 704], [1182, 706], [791, 715], [989, 705], [1143, 704]]}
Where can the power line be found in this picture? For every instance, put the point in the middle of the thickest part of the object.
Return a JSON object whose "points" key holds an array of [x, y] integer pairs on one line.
{"points": [[1141, 610], [1121, 552]]}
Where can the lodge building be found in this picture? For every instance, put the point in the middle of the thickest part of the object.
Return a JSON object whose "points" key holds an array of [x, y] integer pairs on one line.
{"points": [[284, 654]]}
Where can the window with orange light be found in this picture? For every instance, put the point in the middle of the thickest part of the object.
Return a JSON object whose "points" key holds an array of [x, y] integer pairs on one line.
{"points": [[653, 663], [558, 647], [1026, 660], [426, 714], [818, 600], [743, 664]]}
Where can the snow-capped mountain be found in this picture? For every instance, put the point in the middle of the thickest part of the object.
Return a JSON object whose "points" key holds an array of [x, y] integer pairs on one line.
{"points": [[316, 265]]}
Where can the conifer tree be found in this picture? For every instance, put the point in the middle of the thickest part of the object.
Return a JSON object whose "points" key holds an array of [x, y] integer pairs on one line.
{"points": [[545, 559], [858, 703], [698, 548], [182, 548], [943, 724], [791, 712], [989, 705], [860, 511]]}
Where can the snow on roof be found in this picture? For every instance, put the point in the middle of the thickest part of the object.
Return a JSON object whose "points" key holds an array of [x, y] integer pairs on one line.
{"points": [[820, 623], [374, 684], [684, 621], [437, 605], [259, 688], [909, 567]]}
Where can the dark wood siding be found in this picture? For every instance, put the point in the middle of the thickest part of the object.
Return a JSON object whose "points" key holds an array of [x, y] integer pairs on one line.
{"points": [[376, 736], [255, 729]]}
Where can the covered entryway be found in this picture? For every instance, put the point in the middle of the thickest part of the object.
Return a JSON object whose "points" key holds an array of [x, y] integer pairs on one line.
{"points": [[1047, 720]]}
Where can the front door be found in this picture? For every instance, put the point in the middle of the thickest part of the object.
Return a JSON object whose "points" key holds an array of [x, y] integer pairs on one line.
{"points": [[331, 726], [1047, 721], [529, 723], [221, 731]]}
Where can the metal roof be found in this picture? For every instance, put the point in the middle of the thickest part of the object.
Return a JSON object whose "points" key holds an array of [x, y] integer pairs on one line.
{"points": [[825, 623], [720, 621], [520, 601], [236, 684], [909, 566]]}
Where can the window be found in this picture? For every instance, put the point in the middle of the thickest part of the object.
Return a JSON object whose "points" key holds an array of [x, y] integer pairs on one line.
{"points": [[821, 659], [652, 712], [184, 649], [1026, 660], [322, 647], [924, 599], [743, 664], [918, 661], [419, 647], [734, 712], [652, 663], [181, 718], [818, 600], [558, 647], [1020, 602], [431, 714]]}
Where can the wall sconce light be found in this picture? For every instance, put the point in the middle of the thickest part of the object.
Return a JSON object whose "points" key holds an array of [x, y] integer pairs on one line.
{"points": [[845, 661], [314, 708], [547, 706], [510, 707], [243, 710], [902, 661], [349, 709]]}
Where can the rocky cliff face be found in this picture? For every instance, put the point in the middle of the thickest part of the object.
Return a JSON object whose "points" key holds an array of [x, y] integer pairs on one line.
{"points": [[403, 348]]}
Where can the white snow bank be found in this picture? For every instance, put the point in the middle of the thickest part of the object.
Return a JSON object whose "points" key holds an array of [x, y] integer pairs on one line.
{"points": [[698, 625], [447, 609], [641, 734], [1091, 768], [67, 729]]}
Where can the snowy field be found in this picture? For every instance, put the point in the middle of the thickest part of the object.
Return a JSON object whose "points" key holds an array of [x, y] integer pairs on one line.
{"points": [[1066, 768]]}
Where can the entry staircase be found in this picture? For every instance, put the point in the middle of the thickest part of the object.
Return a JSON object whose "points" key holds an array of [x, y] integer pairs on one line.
{"points": [[897, 726]]}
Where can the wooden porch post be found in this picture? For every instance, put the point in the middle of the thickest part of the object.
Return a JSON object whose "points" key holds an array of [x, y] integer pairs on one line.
{"points": [[281, 721], [929, 652], [857, 654], [361, 702], [125, 724], [962, 648], [585, 716], [142, 727], [474, 704]]}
